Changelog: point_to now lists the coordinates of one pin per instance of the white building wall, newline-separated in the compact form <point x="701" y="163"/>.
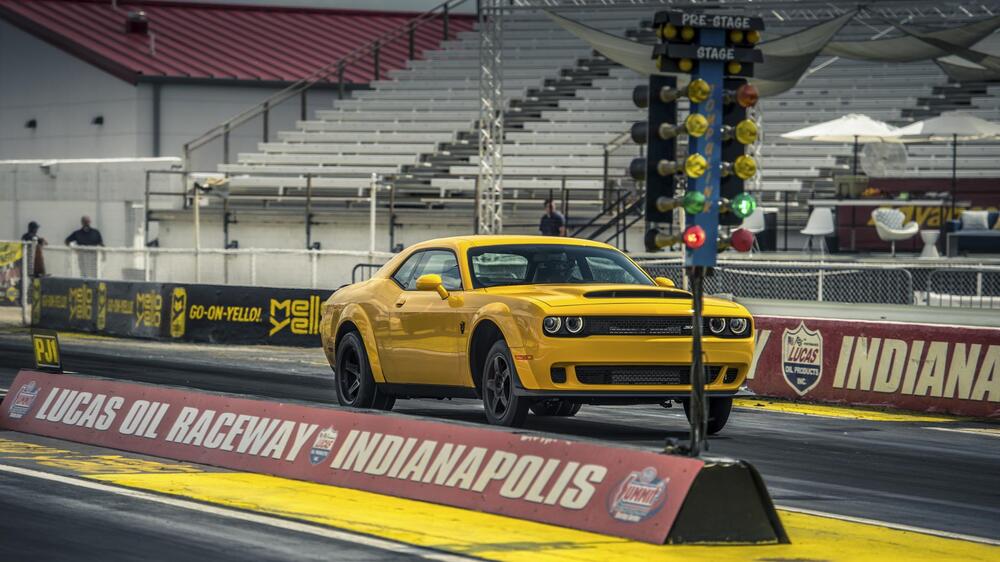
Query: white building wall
<point x="63" y="94"/>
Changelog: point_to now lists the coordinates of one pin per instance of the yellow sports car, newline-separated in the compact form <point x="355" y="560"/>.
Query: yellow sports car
<point x="527" y="322"/>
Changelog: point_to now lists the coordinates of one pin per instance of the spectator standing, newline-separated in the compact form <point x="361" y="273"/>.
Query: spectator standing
<point x="553" y="222"/>
<point x="36" y="267"/>
<point x="86" y="236"/>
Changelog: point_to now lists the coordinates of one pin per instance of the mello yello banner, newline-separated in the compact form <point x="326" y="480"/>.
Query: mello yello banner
<point x="622" y="492"/>
<point x="924" y="367"/>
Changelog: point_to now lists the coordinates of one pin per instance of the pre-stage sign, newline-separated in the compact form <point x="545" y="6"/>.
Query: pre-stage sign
<point x="616" y="491"/>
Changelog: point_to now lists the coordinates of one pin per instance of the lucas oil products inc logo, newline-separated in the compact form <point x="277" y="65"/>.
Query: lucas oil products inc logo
<point x="23" y="400"/>
<point x="178" y="311"/>
<point x="802" y="358"/>
<point x="323" y="445"/>
<point x="639" y="496"/>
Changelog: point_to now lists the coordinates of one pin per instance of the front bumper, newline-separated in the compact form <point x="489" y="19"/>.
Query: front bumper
<point x="536" y="359"/>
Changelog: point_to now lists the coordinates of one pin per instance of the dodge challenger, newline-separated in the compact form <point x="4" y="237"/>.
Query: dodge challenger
<point x="523" y="323"/>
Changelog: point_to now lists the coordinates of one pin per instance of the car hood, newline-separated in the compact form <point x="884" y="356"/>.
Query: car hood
<point x="630" y="298"/>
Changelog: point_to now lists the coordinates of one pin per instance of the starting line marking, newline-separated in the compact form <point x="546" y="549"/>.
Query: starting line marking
<point x="987" y="431"/>
<point x="243" y="516"/>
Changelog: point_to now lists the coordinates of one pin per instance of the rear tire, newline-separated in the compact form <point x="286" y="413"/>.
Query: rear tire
<point x="555" y="407"/>
<point x="356" y="387"/>
<point x="502" y="405"/>
<point x="718" y="413"/>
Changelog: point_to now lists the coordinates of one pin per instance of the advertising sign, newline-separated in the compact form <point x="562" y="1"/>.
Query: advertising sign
<point x="11" y="273"/>
<point x="616" y="491"/>
<point x="924" y="367"/>
<point x="205" y="313"/>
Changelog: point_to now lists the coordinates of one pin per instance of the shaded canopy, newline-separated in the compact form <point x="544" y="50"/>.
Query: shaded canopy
<point x="910" y="47"/>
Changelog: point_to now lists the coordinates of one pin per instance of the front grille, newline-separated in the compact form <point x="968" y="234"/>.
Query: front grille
<point x="638" y="325"/>
<point x="641" y="374"/>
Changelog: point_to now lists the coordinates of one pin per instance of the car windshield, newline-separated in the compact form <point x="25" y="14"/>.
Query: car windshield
<point x="534" y="264"/>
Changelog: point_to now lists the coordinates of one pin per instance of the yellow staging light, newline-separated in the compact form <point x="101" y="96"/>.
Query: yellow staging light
<point x="753" y="37"/>
<point x="687" y="33"/>
<point x="696" y="124"/>
<point x="698" y="90"/>
<point x="746" y="131"/>
<point x="695" y="166"/>
<point x="733" y="67"/>
<point x="745" y="167"/>
<point x="668" y="31"/>
<point x="685" y="65"/>
<point x="736" y="36"/>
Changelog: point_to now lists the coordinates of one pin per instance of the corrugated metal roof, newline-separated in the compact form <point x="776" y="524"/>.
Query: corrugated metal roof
<point x="231" y="42"/>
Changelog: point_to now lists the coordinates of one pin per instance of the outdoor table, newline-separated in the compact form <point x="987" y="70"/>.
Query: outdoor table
<point x="852" y="204"/>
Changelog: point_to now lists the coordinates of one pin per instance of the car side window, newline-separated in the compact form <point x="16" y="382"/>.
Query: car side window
<point x="404" y="275"/>
<point x="443" y="263"/>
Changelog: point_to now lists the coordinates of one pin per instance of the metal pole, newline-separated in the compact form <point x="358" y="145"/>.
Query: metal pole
<point x="409" y="41"/>
<point x="340" y="80"/>
<point x="371" y="217"/>
<point x="954" y="173"/>
<point x="309" y="190"/>
<point x="225" y="144"/>
<point x="698" y="405"/>
<point x="197" y="233"/>
<point x="26" y="279"/>
<point x="303" y="103"/>
<point x="445" y="17"/>
<point x="786" y="220"/>
<point x="375" y="55"/>
<point x="392" y="216"/>
<point x="145" y="212"/>
<point x="265" y="119"/>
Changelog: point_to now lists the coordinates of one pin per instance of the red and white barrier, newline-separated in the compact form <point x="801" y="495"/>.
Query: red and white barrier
<point x="924" y="367"/>
<point x="615" y="491"/>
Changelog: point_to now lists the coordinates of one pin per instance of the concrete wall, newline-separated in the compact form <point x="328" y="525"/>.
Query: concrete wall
<point x="56" y="193"/>
<point x="64" y="94"/>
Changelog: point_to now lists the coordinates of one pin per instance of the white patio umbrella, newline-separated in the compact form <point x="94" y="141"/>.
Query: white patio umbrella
<point x="952" y="126"/>
<point x="853" y="127"/>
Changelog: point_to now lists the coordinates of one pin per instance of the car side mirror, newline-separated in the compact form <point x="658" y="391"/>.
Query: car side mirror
<point x="432" y="282"/>
<point x="664" y="282"/>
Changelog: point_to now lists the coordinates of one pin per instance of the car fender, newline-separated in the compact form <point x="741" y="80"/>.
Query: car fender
<point x="355" y="314"/>
<point x="501" y="315"/>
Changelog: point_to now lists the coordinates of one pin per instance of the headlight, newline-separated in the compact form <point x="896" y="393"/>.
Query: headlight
<point x="739" y="326"/>
<point x="574" y="324"/>
<point x="717" y="325"/>
<point x="551" y="324"/>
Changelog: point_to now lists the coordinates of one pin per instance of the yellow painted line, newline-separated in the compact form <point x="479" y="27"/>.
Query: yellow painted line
<point x="494" y="537"/>
<point x="847" y="412"/>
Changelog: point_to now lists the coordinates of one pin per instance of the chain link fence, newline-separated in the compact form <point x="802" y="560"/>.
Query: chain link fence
<point x="913" y="284"/>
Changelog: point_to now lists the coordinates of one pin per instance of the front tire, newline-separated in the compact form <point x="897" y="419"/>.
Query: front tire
<point x="555" y="407"/>
<point x="718" y="413"/>
<point x="502" y="405"/>
<point x="356" y="387"/>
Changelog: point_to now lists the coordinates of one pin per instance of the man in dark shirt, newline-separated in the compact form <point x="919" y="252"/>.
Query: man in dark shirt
<point x="37" y="262"/>
<point x="553" y="222"/>
<point x="85" y="236"/>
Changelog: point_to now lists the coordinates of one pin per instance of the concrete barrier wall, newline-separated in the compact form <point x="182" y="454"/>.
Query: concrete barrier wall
<point x="923" y="367"/>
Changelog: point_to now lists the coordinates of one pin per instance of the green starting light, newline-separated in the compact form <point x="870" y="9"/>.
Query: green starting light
<point x="743" y="205"/>
<point x="694" y="202"/>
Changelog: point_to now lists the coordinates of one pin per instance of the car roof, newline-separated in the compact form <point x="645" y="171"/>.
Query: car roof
<point x="464" y="242"/>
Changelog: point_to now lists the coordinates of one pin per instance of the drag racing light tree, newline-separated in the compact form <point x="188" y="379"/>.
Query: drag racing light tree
<point x="717" y="50"/>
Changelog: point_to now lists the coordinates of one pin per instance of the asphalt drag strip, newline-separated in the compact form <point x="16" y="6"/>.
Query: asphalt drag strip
<point x="121" y="506"/>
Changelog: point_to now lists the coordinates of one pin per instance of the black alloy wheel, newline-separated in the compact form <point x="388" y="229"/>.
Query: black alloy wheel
<point x="355" y="385"/>
<point x="503" y="406"/>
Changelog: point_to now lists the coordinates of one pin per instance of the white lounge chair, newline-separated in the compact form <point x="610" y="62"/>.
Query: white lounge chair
<point x="890" y="228"/>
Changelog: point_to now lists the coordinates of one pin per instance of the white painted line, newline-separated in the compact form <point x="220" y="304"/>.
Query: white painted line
<point x="987" y="431"/>
<point x="275" y="522"/>
<point x="897" y="526"/>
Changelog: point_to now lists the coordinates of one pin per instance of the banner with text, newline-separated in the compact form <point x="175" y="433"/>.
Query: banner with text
<point x="924" y="367"/>
<point x="616" y="491"/>
<point x="204" y="313"/>
<point x="12" y="273"/>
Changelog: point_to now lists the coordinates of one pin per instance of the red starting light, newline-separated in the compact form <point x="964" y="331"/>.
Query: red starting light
<point x="747" y="95"/>
<point x="741" y="240"/>
<point x="694" y="237"/>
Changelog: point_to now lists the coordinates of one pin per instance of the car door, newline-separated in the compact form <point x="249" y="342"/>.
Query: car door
<point x="425" y="330"/>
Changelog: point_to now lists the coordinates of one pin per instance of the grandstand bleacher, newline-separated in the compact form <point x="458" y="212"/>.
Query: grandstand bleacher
<point x="565" y="103"/>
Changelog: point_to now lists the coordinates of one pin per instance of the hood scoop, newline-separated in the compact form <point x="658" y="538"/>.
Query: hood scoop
<point x="637" y="294"/>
